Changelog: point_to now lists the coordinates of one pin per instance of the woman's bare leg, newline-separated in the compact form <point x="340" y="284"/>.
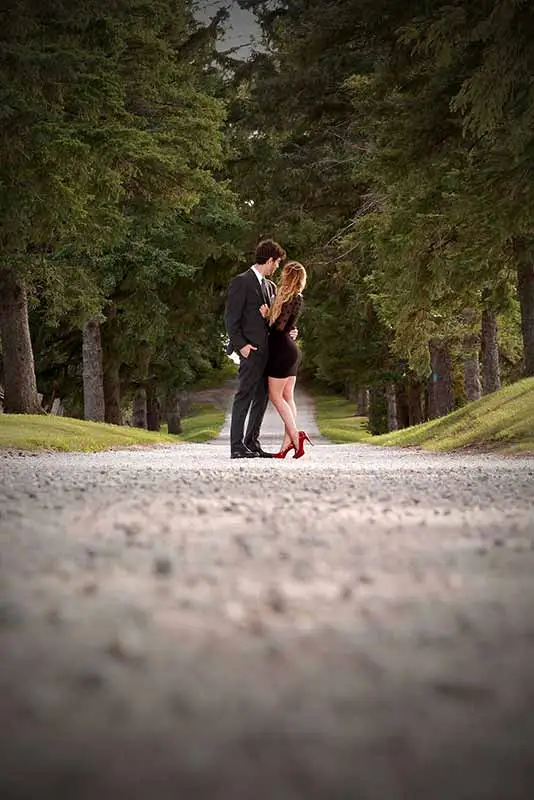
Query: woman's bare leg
<point x="288" y="395"/>
<point x="276" y="395"/>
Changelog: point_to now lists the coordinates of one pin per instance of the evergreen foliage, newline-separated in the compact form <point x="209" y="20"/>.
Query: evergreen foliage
<point x="387" y="144"/>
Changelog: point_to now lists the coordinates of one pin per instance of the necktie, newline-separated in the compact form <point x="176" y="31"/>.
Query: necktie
<point x="265" y="291"/>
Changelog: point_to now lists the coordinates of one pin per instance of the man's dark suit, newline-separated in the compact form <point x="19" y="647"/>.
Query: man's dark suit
<point x="245" y="325"/>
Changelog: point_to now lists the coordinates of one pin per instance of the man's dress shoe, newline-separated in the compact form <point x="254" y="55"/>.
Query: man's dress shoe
<point x="243" y="452"/>
<point x="261" y="453"/>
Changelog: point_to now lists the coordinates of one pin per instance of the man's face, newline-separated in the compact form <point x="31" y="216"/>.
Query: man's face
<point x="272" y="265"/>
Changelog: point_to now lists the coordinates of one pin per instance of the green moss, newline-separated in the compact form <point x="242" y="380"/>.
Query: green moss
<point x="501" y="422"/>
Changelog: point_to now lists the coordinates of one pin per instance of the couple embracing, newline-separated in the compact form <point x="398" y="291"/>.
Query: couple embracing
<point x="260" y="320"/>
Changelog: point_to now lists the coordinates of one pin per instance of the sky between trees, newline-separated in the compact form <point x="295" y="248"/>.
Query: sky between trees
<point x="241" y="26"/>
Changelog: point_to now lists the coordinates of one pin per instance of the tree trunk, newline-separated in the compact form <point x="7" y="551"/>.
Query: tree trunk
<point x="173" y="412"/>
<point x="491" y="371"/>
<point x="415" y="410"/>
<point x="93" y="374"/>
<point x="470" y="347"/>
<point x="152" y="408"/>
<point x="20" y="390"/>
<point x="473" y="389"/>
<point x="378" y="411"/>
<point x="363" y="403"/>
<point x="112" y="393"/>
<point x="139" y="413"/>
<point x="391" y="399"/>
<point x="525" y="290"/>
<point x="427" y="401"/>
<point x="350" y="392"/>
<point x="441" y="398"/>
<point x="403" y="411"/>
<point x="112" y="364"/>
<point x="186" y="404"/>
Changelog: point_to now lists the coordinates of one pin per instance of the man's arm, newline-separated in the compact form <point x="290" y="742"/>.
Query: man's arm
<point x="233" y="314"/>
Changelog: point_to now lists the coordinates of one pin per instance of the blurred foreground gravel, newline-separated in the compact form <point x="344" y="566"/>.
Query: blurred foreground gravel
<point x="358" y="624"/>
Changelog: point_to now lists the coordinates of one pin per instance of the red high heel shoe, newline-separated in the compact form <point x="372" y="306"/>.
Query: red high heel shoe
<point x="283" y="453"/>
<point x="303" y="437"/>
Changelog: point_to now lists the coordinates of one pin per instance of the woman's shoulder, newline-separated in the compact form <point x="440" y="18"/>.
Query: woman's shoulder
<point x="296" y="298"/>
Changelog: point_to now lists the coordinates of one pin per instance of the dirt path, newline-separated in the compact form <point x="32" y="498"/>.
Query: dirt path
<point x="356" y="625"/>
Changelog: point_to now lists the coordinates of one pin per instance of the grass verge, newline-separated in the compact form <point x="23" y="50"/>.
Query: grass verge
<point x="501" y="422"/>
<point x="336" y="421"/>
<point x="203" y="424"/>
<point x="63" y="434"/>
<point x="39" y="432"/>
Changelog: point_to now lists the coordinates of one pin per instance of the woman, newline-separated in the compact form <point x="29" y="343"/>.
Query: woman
<point x="284" y="355"/>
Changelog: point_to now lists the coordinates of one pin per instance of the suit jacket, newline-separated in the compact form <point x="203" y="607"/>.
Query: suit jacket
<point x="244" y="323"/>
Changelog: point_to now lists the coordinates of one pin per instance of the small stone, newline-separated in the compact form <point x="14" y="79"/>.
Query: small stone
<point x="54" y="616"/>
<point x="235" y="611"/>
<point x="345" y="593"/>
<point x="276" y="600"/>
<point x="243" y="545"/>
<point x="162" y="566"/>
<point x="126" y="646"/>
<point x="90" y="678"/>
<point x="256" y="625"/>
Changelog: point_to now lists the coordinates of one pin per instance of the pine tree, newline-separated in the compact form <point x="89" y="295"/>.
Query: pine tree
<point x="107" y="125"/>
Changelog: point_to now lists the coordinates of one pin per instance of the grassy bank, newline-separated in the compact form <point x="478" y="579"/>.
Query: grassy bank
<point x="203" y="424"/>
<point x="501" y="422"/>
<point x="335" y="419"/>
<point x="34" y="432"/>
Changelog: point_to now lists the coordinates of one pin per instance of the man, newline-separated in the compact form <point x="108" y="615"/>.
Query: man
<point x="248" y="332"/>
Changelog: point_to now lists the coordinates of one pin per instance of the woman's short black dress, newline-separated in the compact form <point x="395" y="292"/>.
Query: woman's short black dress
<point x="284" y="355"/>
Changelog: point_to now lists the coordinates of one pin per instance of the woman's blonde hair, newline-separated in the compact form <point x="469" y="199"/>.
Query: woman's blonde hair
<point x="292" y="282"/>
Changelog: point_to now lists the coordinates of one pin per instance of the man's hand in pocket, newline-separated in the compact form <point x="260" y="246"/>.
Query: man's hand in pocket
<point x="245" y="351"/>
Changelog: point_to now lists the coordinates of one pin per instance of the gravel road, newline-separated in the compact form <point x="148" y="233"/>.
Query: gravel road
<point x="356" y="625"/>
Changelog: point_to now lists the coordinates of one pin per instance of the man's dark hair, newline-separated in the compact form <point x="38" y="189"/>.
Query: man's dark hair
<point x="267" y="249"/>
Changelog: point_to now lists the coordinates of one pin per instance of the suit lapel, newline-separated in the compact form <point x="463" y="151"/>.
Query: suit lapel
<point x="258" y="288"/>
<point x="270" y="291"/>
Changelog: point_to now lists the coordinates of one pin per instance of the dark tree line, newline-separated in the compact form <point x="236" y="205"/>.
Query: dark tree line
<point x="117" y="225"/>
<point x="387" y="144"/>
